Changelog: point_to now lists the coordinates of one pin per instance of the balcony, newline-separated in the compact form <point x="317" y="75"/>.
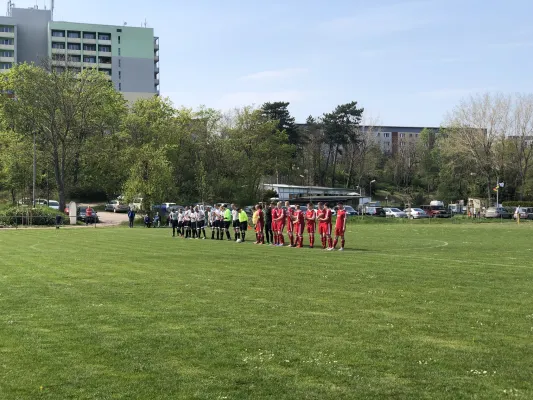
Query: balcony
<point x="7" y="35"/>
<point x="7" y="59"/>
<point x="156" y="81"/>
<point x="156" y="70"/>
<point x="89" y="53"/>
<point x="89" y="41"/>
<point x="104" y="42"/>
<point x="104" y="65"/>
<point x="73" y="40"/>
<point x="58" y="51"/>
<point x="73" y="52"/>
<point x="156" y="58"/>
<point x="3" y="71"/>
<point x="7" y="47"/>
<point x="156" y="46"/>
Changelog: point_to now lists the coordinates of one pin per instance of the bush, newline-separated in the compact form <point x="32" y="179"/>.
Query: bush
<point x="42" y="216"/>
<point x="517" y="203"/>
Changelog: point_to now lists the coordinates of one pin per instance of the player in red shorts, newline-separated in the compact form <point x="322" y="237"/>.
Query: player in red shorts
<point x="324" y="227"/>
<point x="274" y="212"/>
<point x="289" y="213"/>
<point x="278" y="223"/>
<point x="310" y="219"/>
<point x="340" y="226"/>
<point x="259" y="226"/>
<point x="299" y="224"/>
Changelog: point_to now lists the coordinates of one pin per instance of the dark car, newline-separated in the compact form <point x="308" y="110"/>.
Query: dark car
<point x="436" y="211"/>
<point x="349" y="210"/>
<point x="82" y="216"/>
<point x="375" y="211"/>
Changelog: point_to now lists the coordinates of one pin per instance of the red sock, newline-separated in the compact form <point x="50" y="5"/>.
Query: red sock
<point x="323" y="242"/>
<point x="342" y="243"/>
<point x="330" y="242"/>
<point x="335" y="243"/>
<point x="275" y="238"/>
<point x="291" y="236"/>
<point x="311" y="240"/>
<point x="281" y="239"/>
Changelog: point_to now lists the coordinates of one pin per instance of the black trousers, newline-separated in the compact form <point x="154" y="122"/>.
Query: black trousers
<point x="269" y="235"/>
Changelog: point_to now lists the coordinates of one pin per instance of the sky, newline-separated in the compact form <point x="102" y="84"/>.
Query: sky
<point x="407" y="63"/>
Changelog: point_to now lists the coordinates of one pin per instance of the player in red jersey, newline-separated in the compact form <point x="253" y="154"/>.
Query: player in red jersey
<point x="310" y="219"/>
<point x="299" y="224"/>
<point x="324" y="226"/>
<point x="260" y="224"/>
<point x="340" y="226"/>
<point x="289" y="213"/>
<point x="278" y="221"/>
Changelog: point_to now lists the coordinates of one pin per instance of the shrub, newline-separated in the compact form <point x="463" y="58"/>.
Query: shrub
<point x="30" y="216"/>
<point x="517" y="203"/>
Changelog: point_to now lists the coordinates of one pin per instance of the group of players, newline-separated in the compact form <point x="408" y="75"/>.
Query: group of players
<point x="269" y="221"/>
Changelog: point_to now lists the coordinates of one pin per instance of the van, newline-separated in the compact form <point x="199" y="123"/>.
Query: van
<point x="436" y="211"/>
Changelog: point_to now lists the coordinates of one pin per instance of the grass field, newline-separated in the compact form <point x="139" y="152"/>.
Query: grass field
<point x="409" y="311"/>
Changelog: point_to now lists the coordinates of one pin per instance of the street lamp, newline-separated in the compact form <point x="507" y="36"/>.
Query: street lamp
<point x="370" y="193"/>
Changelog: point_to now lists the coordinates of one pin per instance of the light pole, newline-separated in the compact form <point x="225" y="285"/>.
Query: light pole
<point x="34" y="169"/>
<point x="370" y="193"/>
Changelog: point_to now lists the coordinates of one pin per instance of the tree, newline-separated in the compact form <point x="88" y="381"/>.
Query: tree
<point x="472" y="131"/>
<point x="340" y="128"/>
<point x="62" y="110"/>
<point x="278" y="111"/>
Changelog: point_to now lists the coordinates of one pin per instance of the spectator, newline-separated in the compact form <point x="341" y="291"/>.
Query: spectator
<point x="147" y="221"/>
<point x="131" y="217"/>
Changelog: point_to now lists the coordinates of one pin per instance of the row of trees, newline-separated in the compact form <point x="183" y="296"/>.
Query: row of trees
<point x="90" y="143"/>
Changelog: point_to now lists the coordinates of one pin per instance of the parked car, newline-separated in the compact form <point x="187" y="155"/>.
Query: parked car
<point x="436" y="211"/>
<point x="48" y="203"/>
<point x="416" y="213"/>
<point x="136" y="204"/>
<point x="395" y="212"/>
<point x="82" y="215"/>
<point x="117" y="206"/>
<point x="523" y="211"/>
<point x="376" y="211"/>
<point x="497" y="212"/>
<point x="349" y="210"/>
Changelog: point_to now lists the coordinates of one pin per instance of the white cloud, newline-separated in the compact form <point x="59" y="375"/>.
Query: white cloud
<point x="274" y="74"/>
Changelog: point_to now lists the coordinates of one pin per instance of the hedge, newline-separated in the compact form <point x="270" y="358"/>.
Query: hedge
<point x="517" y="203"/>
<point x="46" y="216"/>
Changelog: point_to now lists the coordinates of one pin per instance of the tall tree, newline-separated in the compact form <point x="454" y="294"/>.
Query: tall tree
<point x="61" y="109"/>
<point x="279" y="111"/>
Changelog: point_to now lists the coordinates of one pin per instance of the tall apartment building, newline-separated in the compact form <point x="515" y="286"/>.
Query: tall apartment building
<point x="128" y="55"/>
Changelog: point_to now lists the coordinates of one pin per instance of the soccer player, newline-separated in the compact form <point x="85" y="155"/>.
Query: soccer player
<point x="201" y="222"/>
<point x="310" y="217"/>
<point x="227" y="222"/>
<point x="279" y="223"/>
<point x="220" y="217"/>
<point x="289" y="213"/>
<point x="181" y="230"/>
<point x="327" y="219"/>
<point x="174" y="219"/>
<point x="194" y="222"/>
<point x="214" y="223"/>
<point x="187" y="222"/>
<point x="260" y="224"/>
<point x="299" y="224"/>
<point x="340" y="226"/>
<point x="235" y="221"/>
<point x="324" y="225"/>
<point x="243" y="220"/>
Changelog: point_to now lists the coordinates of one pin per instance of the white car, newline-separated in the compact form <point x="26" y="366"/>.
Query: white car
<point x="136" y="204"/>
<point x="117" y="206"/>
<point x="49" y="203"/>
<point x="395" y="212"/>
<point x="416" y="213"/>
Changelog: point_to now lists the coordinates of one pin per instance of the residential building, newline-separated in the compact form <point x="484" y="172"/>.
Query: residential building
<point x="128" y="55"/>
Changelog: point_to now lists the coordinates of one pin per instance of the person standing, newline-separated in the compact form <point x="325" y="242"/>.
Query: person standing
<point x="220" y="217"/>
<point x="181" y="223"/>
<point x="322" y="224"/>
<point x="243" y="221"/>
<point x="235" y="221"/>
<point x="213" y="219"/>
<point x="279" y="222"/>
<point x="187" y="222"/>
<point x="131" y="217"/>
<point x="268" y="224"/>
<point x="88" y="215"/>
<point x="299" y="224"/>
<point x="326" y="226"/>
<point x="289" y="214"/>
<point x="227" y="222"/>
<point x="340" y="226"/>
<point x="201" y="222"/>
<point x="174" y="221"/>
<point x="194" y="223"/>
<point x="310" y="217"/>
<point x="259" y="225"/>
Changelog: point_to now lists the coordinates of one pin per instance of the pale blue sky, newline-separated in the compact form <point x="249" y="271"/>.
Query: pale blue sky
<point x="406" y="62"/>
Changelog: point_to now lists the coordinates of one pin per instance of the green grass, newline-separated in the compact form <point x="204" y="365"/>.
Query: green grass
<point x="410" y="311"/>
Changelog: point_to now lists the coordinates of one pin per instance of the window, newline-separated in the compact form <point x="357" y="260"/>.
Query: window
<point x="6" y="29"/>
<point x="89" y="47"/>
<point x="8" y="42"/>
<point x="119" y="62"/>
<point x="410" y="135"/>
<point x="56" y="45"/>
<point x="58" y="57"/>
<point x="58" y="33"/>
<point x="386" y="134"/>
<point x="119" y="51"/>
<point x="402" y="135"/>
<point x="89" y="35"/>
<point x="73" y="46"/>
<point x="104" y="49"/>
<point x="73" y="35"/>
<point x="104" y="36"/>
<point x="75" y="59"/>
<point x="91" y="60"/>
<point x="6" y="54"/>
<point x="119" y="30"/>
<point x="377" y="134"/>
<point x="416" y="135"/>
<point x="119" y="86"/>
<point x="5" y="65"/>
<point x="119" y="75"/>
<point x="119" y="40"/>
